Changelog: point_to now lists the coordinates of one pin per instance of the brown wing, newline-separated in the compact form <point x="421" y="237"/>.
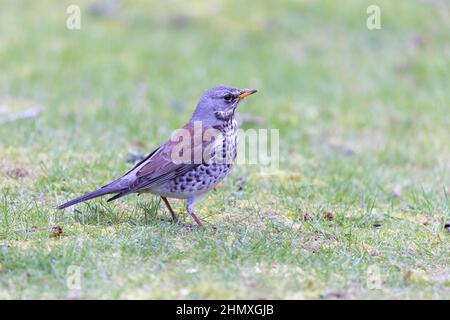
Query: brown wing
<point x="167" y="163"/>
<point x="160" y="169"/>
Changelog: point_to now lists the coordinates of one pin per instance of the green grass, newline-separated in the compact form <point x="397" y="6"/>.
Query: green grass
<point x="364" y="133"/>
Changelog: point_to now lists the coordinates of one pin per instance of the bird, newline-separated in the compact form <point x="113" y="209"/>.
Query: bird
<point x="192" y="162"/>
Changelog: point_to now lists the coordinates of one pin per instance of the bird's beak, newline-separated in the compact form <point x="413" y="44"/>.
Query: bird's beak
<point x="246" y="92"/>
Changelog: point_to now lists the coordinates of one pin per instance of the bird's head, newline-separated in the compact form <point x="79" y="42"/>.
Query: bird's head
<point x="219" y="104"/>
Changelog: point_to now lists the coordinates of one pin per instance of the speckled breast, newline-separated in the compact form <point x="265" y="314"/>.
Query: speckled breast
<point x="207" y="175"/>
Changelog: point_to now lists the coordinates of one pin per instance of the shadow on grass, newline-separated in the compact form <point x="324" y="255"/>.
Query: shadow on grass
<point x="100" y="214"/>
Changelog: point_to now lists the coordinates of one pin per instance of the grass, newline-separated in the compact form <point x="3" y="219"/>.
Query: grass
<point x="363" y="118"/>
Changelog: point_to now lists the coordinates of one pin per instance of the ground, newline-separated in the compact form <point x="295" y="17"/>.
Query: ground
<point x="356" y="208"/>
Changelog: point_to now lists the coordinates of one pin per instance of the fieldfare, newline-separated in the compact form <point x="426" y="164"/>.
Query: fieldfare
<point x="192" y="162"/>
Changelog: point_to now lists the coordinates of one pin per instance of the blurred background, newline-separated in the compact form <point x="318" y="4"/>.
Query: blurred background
<point x="363" y="114"/>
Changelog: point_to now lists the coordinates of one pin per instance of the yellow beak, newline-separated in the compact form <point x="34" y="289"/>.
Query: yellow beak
<point x="246" y="92"/>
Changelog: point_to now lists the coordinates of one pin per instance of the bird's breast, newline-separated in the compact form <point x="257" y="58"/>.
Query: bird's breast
<point x="228" y="147"/>
<point x="208" y="174"/>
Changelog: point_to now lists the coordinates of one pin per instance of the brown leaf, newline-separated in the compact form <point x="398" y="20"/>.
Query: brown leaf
<point x="57" y="230"/>
<point x="328" y="215"/>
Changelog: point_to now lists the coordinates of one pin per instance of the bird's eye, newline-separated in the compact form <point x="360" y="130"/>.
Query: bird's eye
<point x="228" y="97"/>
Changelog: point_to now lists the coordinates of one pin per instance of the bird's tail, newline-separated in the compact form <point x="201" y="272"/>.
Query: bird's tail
<point x="90" y="195"/>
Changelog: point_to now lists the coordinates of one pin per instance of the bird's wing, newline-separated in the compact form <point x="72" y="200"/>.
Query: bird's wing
<point x="166" y="163"/>
<point x="160" y="169"/>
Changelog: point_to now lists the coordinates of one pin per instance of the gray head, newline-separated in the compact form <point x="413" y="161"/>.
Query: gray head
<point x="219" y="104"/>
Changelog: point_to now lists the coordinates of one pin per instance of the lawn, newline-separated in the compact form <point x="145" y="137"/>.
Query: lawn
<point x="356" y="209"/>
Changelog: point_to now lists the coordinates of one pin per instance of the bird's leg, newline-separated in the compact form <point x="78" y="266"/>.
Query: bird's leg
<point x="190" y="207"/>
<point x="174" y="217"/>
